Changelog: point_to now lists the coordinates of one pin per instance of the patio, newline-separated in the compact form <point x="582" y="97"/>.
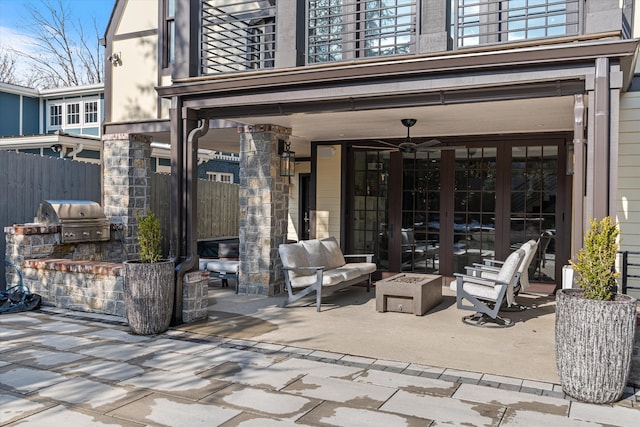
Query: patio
<point x="349" y="324"/>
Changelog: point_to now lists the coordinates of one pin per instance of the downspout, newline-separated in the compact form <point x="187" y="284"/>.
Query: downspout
<point x="189" y="209"/>
<point x="78" y="149"/>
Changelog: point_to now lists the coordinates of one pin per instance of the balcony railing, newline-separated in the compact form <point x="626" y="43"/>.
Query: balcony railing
<point x="482" y="22"/>
<point x="237" y="35"/>
<point x="342" y="30"/>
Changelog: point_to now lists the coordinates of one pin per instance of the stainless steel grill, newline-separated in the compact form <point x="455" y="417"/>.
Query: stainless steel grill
<point x="79" y="220"/>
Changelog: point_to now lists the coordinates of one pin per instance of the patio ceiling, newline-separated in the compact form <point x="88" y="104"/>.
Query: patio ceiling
<point x="484" y="118"/>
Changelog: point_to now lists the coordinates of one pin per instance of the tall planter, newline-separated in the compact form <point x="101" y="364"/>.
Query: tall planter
<point x="594" y="343"/>
<point x="148" y="296"/>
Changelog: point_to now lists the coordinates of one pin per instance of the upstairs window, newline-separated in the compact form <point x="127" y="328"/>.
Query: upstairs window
<point x="55" y="116"/>
<point x="479" y="22"/>
<point x="73" y="114"/>
<point x="237" y="35"/>
<point x="220" y="177"/>
<point x="91" y="112"/>
<point x="340" y="30"/>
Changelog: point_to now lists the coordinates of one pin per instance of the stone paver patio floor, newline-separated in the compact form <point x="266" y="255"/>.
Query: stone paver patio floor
<point x="64" y="368"/>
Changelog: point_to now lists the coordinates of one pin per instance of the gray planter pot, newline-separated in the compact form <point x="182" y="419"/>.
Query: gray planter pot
<point x="594" y="342"/>
<point x="148" y="296"/>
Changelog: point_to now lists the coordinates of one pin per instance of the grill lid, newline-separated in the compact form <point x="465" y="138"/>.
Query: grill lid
<point x="54" y="212"/>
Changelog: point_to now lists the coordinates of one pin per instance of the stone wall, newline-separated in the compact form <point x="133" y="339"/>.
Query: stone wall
<point x="92" y="286"/>
<point x="634" y="376"/>
<point x="264" y="203"/>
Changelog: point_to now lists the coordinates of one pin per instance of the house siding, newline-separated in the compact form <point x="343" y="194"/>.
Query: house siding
<point x="30" y="116"/>
<point x="628" y="196"/>
<point x="9" y="111"/>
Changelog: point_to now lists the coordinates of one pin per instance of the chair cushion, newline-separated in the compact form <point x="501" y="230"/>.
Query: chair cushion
<point x="295" y="255"/>
<point x="363" y="267"/>
<point x="315" y="253"/>
<point x="510" y="266"/>
<point x="333" y="253"/>
<point x="333" y="277"/>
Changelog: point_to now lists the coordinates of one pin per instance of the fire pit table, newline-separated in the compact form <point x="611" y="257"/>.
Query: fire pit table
<point x="409" y="293"/>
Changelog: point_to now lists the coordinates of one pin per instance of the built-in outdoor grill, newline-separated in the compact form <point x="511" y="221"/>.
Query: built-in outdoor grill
<point x="79" y="220"/>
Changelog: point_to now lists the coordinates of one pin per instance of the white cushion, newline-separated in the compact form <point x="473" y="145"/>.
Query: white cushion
<point x="315" y="253"/>
<point x="295" y="255"/>
<point x="223" y="266"/>
<point x="332" y="253"/>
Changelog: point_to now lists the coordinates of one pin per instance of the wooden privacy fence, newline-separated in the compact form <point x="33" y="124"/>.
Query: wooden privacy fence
<point x="27" y="179"/>
<point x="218" y="208"/>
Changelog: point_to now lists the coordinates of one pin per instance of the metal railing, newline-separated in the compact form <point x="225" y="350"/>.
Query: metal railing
<point x="629" y="271"/>
<point x="237" y="35"/>
<point x="482" y="22"/>
<point x="343" y="30"/>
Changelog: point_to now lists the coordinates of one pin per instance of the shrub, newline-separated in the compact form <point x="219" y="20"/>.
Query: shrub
<point x="149" y="237"/>
<point x="594" y="266"/>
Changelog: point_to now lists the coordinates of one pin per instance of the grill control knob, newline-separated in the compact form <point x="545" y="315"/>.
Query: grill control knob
<point x="86" y="233"/>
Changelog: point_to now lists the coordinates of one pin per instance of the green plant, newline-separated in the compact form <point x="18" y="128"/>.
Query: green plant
<point x="594" y="262"/>
<point x="149" y="237"/>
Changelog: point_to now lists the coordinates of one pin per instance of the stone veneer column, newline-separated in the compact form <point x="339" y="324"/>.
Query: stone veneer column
<point x="126" y="182"/>
<point x="264" y="205"/>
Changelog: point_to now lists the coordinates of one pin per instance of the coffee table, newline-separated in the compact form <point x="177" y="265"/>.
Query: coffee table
<point x="409" y="293"/>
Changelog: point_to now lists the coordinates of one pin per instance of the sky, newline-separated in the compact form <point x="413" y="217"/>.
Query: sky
<point x="14" y="18"/>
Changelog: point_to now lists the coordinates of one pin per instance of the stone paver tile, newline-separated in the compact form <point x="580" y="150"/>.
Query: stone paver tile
<point x="176" y="362"/>
<point x="538" y="384"/>
<point x="326" y="355"/>
<point x="120" y="352"/>
<point x="6" y="334"/>
<point x="318" y="369"/>
<point x="180" y="346"/>
<point x="219" y="355"/>
<point x="66" y="326"/>
<point x="26" y="380"/>
<point x="14" y="407"/>
<point x="462" y="374"/>
<point x="183" y="384"/>
<point x="524" y="418"/>
<point x="241" y="343"/>
<point x="391" y="364"/>
<point x="90" y="394"/>
<point x="263" y="402"/>
<point x="336" y="414"/>
<point x="60" y="341"/>
<point x="264" y="378"/>
<point x="18" y="320"/>
<point x="358" y="359"/>
<point x="107" y="370"/>
<point x="338" y="390"/>
<point x="164" y="410"/>
<point x="501" y="379"/>
<point x="268" y="347"/>
<point x="252" y="420"/>
<point x="41" y="358"/>
<point x="297" y="350"/>
<point x="443" y="409"/>
<point x="408" y="383"/>
<point x="64" y="416"/>
<point x="117" y="335"/>
<point x="426" y="369"/>
<point x="513" y="399"/>
<point x="613" y="415"/>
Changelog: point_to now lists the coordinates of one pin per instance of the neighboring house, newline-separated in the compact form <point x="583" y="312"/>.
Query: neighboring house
<point x="66" y="123"/>
<point x="526" y="110"/>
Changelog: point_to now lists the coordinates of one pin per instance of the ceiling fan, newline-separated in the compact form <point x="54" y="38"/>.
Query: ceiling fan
<point x="408" y="146"/>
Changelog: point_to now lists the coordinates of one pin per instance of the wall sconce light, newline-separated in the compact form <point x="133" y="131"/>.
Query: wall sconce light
<point x="570" y="158"/>
<point x="287" y="159"/>
<point x="115" y="58"/>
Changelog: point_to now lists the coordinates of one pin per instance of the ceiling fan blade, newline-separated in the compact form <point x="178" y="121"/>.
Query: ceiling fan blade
<point x="385" y="143"/>
<point x="429" y="143"/>
<point x="370" y="147"/>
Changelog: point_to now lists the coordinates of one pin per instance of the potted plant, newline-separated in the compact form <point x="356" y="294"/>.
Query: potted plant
<point x="595" y="326"/>
<point x="148" y="282"/>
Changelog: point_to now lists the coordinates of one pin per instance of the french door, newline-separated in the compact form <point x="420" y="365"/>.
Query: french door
<point x="438" y="211"/>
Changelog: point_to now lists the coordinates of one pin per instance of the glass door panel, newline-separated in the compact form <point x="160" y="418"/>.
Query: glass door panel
<point x="534" y="186"/>
<point x="421" y="211"/>
<point x="474" y="210"/>
<point x="371" y="205"/>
